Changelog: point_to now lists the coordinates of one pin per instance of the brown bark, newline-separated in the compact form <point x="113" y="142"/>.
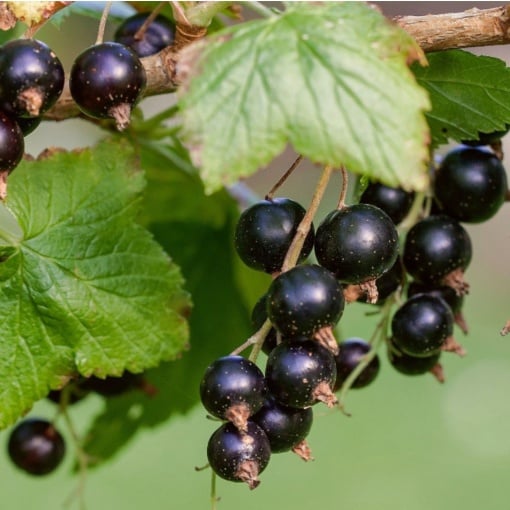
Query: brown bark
<point x="475" y="27"/>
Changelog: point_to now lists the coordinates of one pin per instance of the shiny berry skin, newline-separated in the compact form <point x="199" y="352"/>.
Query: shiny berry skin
<point x="357" y="243"/>
<point x="31" y="78"/>
<point x="106" y="80"/>
<point x="300" y="374"/>
<point x="36" y="446"/>
<point x="12" y="143"/>
<point x="232" y="384"/>
<point x="158" y="35"/>
<point x="304" y="300"/>
<point x="352" y="351"/>
<point x="28" y="124"/>
<point x="239" y="456"/>
<point x="411" y="365"/>
<point x="285" y="427"/>
<point x="435" y="247"/>
<point x="395" y="202"/>
<point x="470" y="185"/>
<point x="421" y="325"/>
<point x="444" y="292"/>
<point x="265" y="231"/>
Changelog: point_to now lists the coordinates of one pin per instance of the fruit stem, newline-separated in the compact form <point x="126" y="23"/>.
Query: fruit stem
<point x="378" y="337"/>
<point x="304" y="227"/>
<point x="343" y="191"/>
<point x="145" y="25"/>
<point x="102" y="22"/>
<point x="283" y="178"/>
<point x="415" y="214"/>
<point x="81" y="455"/>
<point x="257" y="339"/>
<point x="214" y="498"/>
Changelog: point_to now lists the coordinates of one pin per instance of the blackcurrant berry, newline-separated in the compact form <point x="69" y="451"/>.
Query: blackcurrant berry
<point x="422" y="325"/>
<point x="159" y="34"/>
<point x="265" y="231"/>
<point x="470" y="185"/>
<point x="437" y="250"/>
<point x="357" y="244"/>
<point x="36" y="446"/>
<point x="239" y="456"/>
<point x="233" y="389"/>
<point x="28" y="124"/>
<point x="12" y="144"/>
<point x="304" y="301"/>
<point x="453" y="299"/>
<point x="412" y="365"/>
<point x="395" y="202"/>
<point x="351" y="352"/>
<point x="285" y="427"/>
<point x="106" y="80"/>
<point x="31" y="78"/>
<point x="300" y="374"/>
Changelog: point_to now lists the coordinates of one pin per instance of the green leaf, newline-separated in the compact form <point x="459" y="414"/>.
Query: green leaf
<point x="85" y="289"/>
<point x="330" y="78"/>
<point x="469" y="94"/>
<point x="197" y="230"/>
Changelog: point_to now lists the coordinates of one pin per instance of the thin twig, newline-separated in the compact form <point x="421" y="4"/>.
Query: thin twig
<point x="284" y="177"/>
<point x="145" y="25"/>
<point x="343" y="190"/>
<point x="102" y="22"/>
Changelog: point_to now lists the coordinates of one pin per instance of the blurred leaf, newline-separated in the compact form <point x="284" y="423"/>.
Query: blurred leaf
<point x="83" y="289"/>
<point x="330" y="78"/>
<point x="469" y="94"/>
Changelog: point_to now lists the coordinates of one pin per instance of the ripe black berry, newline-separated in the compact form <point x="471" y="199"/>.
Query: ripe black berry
<point x="31" y="78"/>
<point x="239" y="456"/>
<point x="351" y="352"/>
<point x="470" y="185"/>
<point x="449" y="295"/>
<point x="395" y="202"/>
<point x="285" y="427"/>
<point x="233" y="388"/>
<point x="357" y="243"/>
<point x="437" y="250"/>
<point x="36" y="446"/>
<point x="422" y="325"/>
<point x="265" y="231"/>
<point x="304" y="301"/>
<point x="159" y="34"/>
<point x="106" y="80"/>
<point x="12" y="144"/>
<point x="28" y="124"/>
<point x="412" y="365"/>
<point x="300" y="374"/>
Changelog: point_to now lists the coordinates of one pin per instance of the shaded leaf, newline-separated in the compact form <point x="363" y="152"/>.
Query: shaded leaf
<point x="470" y="94"/>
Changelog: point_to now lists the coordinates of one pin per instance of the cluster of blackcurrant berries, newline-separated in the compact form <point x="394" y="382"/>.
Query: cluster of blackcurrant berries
<point x="105" y="81"/>
<point x="359" y="258"/>
<point x="37" y="447"/>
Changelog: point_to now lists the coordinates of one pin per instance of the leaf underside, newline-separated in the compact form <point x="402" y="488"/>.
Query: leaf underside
<point x="86" y="290"/>
<point x="331" y="79"/>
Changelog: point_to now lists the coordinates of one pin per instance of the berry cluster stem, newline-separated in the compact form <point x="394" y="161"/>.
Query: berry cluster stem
<point x="304" y="227"/>
<point x="343" y="191"/>
<point x="102" y="22"/>
<point x="379" y="336"/>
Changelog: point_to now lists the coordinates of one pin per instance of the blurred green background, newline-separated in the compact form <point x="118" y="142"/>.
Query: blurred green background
<point x="411" y="443"/>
